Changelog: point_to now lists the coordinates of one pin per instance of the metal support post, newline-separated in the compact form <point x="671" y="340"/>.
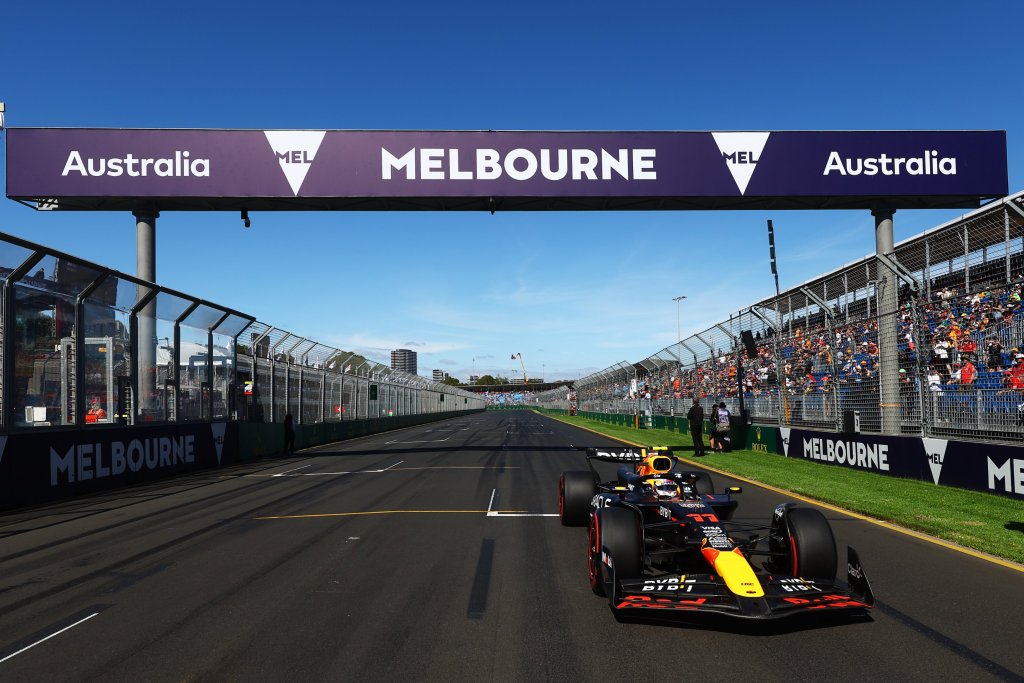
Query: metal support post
<point x="888" y="371"/>
<point x="145" y="269"/>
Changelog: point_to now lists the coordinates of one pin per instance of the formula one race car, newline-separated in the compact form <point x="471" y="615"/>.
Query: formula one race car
<point x="661" y="539"/>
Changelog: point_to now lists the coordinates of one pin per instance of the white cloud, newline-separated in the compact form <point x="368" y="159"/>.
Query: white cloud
<point x="367" y="342"/>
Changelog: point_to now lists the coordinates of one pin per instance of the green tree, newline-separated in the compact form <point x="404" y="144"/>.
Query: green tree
<point x="487" y="381"/>
<point x="451" y="381"/>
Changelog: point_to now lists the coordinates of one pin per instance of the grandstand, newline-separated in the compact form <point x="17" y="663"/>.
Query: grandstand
<point x="818" y="348"/>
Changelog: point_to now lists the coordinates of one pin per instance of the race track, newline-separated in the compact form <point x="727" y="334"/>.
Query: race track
<point x="377" y="559"/>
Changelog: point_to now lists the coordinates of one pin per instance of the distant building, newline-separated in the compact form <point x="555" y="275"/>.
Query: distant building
<point x="515" y="380"/>
<point x="440" y="375"/>
<point x="404" y="360"/>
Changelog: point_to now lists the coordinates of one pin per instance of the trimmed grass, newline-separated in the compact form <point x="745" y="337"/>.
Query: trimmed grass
<point x="980" y="521"/>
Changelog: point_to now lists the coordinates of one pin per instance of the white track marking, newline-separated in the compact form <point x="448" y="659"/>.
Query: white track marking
<point x="294" y="469"/>
<point x="388" y="443"/>
<point x="390" y="466"/>
<point x="27" y="647"/>
<point x="494" y="513"/>
<point x="522" y="514"/>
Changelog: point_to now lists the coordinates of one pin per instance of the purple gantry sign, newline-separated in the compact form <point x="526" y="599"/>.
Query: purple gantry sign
<point x="305" y="169"/>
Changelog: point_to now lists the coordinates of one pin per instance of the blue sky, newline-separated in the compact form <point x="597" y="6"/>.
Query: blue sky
<point x="573" y="292"/>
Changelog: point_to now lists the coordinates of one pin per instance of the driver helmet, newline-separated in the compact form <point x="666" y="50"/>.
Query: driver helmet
<point x="665" y="489"/>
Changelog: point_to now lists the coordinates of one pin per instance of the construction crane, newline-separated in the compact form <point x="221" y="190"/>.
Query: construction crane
<point x="520" y="357"/>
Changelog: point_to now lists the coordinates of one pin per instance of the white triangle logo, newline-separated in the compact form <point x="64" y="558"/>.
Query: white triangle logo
<point x="785" y="440"/>
<point x="295" y="151"/>
<point x="218" y="437"/>
<point x="741" y="152"/>
<point x="3" y="445"/>
<point x="935" y="451"/>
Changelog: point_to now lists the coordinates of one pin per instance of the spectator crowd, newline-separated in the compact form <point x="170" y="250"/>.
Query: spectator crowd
<point x="969" y="349"/>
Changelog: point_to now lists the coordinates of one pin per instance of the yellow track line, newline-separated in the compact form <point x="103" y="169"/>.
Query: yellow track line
<point x="856" y="515"/>
<point x="387" y="512"/>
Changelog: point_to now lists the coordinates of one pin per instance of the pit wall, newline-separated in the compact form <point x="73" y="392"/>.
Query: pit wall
<point x="972" y="465"/>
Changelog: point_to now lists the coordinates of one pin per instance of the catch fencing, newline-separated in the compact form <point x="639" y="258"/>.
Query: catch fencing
<point x="85" y="346"/>
<point x="286" y="373"/>
<point x="926" y="341"/>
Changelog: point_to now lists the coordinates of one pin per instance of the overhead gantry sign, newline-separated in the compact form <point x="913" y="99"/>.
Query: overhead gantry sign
<point x="118" y="169"/>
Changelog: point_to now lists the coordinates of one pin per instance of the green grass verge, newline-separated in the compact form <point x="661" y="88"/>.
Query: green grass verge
<point x="980" y="521"/>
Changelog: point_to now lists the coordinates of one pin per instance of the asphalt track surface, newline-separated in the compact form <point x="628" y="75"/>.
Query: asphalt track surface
<point x="376" y="559"/>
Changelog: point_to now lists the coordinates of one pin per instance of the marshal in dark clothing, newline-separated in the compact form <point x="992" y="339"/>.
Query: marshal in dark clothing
<point x="696" y="419"/>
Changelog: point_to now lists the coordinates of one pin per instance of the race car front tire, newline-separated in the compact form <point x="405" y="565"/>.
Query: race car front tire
<point x="575" y="492"/>
<point x="615" y="541"/>
<point x="812" y="546"/>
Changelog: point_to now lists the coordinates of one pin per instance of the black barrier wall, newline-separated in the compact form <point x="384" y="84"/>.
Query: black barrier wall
<point x="36" y="467"/>
<point x="992" y="468"/>
<point x="40" y="466"/>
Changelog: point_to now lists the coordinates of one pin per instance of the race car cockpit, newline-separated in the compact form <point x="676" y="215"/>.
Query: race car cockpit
<point x="663" y="489"/>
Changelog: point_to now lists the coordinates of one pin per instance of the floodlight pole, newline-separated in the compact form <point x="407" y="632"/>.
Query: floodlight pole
<point x="679" y="334"/>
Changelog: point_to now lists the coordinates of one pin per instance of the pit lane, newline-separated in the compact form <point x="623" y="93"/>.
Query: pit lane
<point x="390" y="557"/>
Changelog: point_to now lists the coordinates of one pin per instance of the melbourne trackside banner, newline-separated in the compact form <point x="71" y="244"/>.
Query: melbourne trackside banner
<point x="37" y="466"/>
<point x="986" y="467"/>
<point x="204" y="169"/>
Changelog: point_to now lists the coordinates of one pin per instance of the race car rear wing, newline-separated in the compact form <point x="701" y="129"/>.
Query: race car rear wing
<point x="615" y="455"/>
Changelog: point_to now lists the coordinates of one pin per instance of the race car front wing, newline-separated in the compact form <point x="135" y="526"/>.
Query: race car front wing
<point x="784" y="596"/>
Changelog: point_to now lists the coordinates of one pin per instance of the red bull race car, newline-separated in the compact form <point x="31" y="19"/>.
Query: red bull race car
<point x="661" y="539"/>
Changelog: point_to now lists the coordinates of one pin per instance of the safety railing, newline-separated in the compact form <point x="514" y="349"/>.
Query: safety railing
<point x="284" y="373"/>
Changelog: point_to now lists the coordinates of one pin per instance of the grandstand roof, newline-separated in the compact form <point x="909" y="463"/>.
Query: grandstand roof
<point x="987" y="228"/>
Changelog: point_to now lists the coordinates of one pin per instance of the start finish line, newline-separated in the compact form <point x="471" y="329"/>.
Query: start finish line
<point x="157" y="170"/>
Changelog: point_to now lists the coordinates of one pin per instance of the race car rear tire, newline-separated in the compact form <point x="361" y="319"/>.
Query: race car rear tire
<point x="616" y="537"/>
<point x="575" y="492"/>
<point x="812" y="546"/>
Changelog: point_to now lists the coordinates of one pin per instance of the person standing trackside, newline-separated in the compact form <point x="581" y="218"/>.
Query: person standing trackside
<point x="289" y="435"/>
<point x="696" y="419"/>
<point x="721" y="420"/>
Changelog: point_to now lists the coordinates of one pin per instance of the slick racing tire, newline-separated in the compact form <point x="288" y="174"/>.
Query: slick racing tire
<point x="812" y="547"/>
<point x="575" y="491"/>
<point x="615" y="541"/>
